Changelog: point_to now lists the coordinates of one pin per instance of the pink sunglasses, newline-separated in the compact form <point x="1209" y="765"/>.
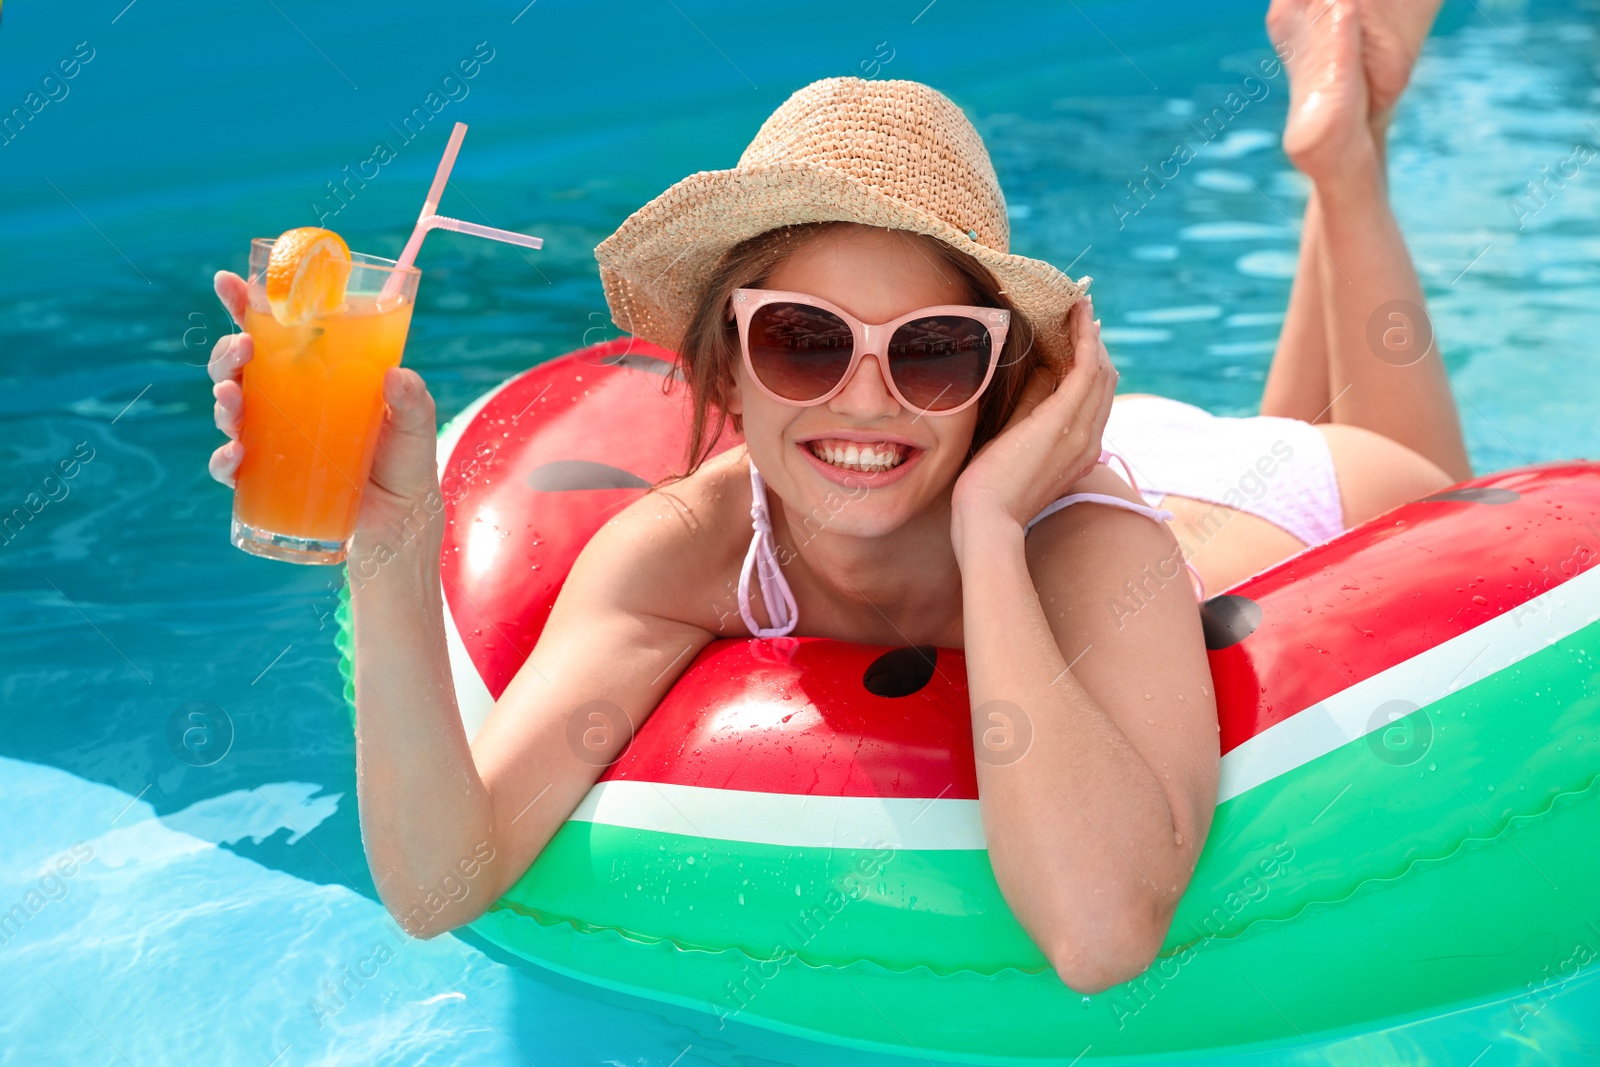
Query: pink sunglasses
<point x="801" y="350"/>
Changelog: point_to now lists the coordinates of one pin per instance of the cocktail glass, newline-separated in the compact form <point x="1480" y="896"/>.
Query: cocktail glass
<point x="313" y="397"/>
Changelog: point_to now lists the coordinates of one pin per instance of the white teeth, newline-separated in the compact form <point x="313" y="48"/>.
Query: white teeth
<point x="864" y="458"/>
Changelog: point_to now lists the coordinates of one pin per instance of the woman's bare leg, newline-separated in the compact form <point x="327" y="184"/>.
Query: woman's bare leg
<point x="1383" y="370"/>
<point x="1297" y="382"/>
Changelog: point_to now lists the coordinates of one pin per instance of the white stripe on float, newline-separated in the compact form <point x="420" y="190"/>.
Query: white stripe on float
<point x="786" y="819"/>
<point x="795" y="820"/>
<point x="1429" y="676"/>
<point x="472" y="696"/>
<point x="451" y="432"/>
<point x="473" y="699"/>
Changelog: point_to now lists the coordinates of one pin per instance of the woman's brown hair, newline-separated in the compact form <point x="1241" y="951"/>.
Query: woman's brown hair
<point x="709" y="352"/>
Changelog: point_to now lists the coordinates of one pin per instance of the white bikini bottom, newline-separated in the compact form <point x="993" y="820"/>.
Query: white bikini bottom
<point x="1275" y="468"/>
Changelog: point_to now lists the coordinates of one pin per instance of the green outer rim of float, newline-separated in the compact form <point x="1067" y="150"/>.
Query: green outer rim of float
<point x="1213" y="997"/>
<point x="1444" y="850"/>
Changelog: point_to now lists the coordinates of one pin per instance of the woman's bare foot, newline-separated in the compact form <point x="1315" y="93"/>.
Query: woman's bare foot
<point x="1392" y="32"/>
<point x="1327" y="132"/>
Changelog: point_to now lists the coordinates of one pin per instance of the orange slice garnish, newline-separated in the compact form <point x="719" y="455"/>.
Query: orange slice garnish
<point x="306" y="274"/>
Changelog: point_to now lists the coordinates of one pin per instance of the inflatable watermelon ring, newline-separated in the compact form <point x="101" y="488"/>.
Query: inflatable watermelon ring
<point x="1407" y="819"/>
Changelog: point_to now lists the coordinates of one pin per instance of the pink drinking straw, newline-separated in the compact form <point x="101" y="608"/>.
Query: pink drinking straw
<point x="431" y="220"/>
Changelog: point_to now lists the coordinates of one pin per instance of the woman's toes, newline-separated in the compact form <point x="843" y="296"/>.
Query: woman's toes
<point x="1392" y="32"/>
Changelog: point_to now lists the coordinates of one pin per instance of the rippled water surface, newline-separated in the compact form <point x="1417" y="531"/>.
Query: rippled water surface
<point x="219" y="903"/>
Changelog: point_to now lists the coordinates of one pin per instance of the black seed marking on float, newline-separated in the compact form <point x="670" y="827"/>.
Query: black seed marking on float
<point x="901" y="671"/>
<point x="1229" y="619"/>
<point x="1475" y="496"/>
<point x="567" y="475"/>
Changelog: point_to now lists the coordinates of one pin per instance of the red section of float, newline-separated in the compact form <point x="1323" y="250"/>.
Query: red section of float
<point x="567" y="444"/>
<point x="516" y="514"/>
<point x="1401" y="584"/>
<point x="795" y="715"/>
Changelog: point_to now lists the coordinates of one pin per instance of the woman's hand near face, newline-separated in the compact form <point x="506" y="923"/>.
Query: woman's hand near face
<point x="1051" y="441"/>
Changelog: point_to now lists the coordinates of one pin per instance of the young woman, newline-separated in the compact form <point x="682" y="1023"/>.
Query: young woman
<point x="846" y="297"/>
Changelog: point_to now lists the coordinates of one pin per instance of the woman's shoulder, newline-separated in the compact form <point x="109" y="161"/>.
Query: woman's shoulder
<point x="676" y="551"/>
<point x="1082" y="545"/>
<point x="1088" y="514"/>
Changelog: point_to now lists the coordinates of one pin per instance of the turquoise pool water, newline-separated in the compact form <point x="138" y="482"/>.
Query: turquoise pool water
<point x="219" y="908"/>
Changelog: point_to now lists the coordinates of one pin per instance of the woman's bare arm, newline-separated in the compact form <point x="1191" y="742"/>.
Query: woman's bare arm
<point x="449" y="826"/>
<point x="1093" y="830"/>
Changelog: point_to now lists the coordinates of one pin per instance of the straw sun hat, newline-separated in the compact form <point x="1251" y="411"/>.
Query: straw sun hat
<point x="896" y="154"/>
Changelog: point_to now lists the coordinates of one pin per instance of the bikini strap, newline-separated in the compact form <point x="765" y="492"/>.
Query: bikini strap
<point x="1158" y="514"/>
<point x="762" y="559"/>
<point x="779" y="598"/>
<point x="1107" y="454"/>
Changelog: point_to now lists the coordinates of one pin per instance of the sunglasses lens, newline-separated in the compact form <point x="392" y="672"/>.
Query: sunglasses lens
<point x="799" y="352"/>
<point x="939" y="362"/>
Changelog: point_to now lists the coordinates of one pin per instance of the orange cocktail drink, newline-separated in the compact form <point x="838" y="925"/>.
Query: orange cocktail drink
<point x="313" y="402"/>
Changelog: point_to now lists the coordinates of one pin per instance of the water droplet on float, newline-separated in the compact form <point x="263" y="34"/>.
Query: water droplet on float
<point x="1433" y="766"/>
<point x="1086" y="1002"/>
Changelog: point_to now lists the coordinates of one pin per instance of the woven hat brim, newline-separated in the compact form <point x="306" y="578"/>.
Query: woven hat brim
<point x="656" y="265"/>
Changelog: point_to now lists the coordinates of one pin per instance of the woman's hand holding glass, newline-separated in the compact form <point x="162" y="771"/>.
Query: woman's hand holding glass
<point x="404" y="476"/>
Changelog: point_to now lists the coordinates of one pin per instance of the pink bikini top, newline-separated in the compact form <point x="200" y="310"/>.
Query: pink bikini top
<point x="780" y="599"/>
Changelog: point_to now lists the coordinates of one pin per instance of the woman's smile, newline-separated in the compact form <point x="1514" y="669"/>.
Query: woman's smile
<point x="855" y="459"/>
